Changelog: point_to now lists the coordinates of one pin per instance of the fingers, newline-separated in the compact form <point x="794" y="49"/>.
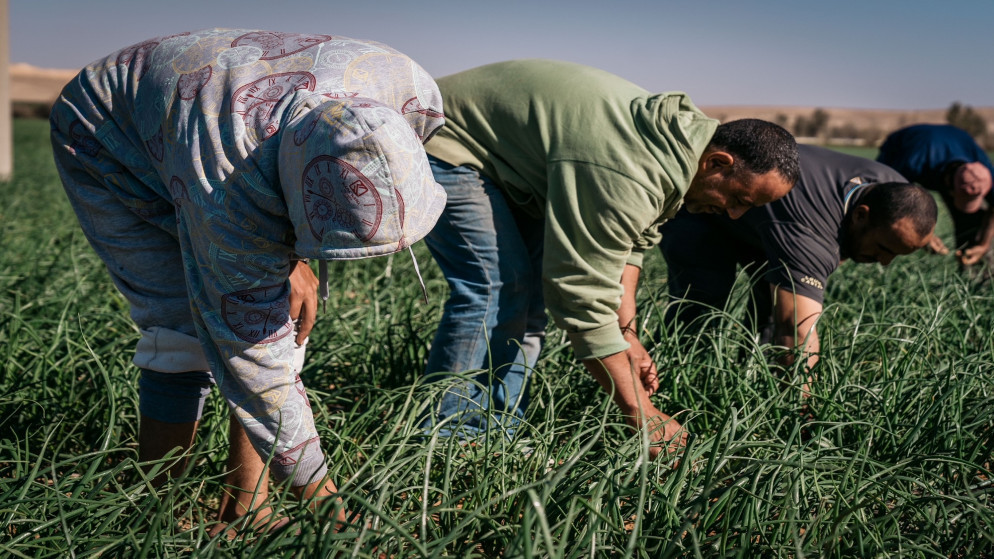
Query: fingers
<point x="667" y="430"/>
<point x="303" y="300"/>
<point x="642" y="362"/>
<point x="650" y="378"/>
<point x="936" y="246"/>
<point x="306" y="318"/>
<point x="969" y="257"/>
<point x="296" y="302"/>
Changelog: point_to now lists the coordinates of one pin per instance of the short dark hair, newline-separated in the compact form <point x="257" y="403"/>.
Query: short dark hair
<point x="889" y="202"/>
<point x="759" y="147"/>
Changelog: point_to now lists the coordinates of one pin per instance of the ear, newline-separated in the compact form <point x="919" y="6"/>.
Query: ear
<point x="718" y="161"/>
<point x="861" y="214"/>
<point x="715" y="162"/>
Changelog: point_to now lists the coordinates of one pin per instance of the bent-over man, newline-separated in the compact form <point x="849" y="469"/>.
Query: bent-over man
<point x="203" y="168"/>
<point x="557" y="177"/>
<point x="947" y="160"/>
<point x="843" y="207"/>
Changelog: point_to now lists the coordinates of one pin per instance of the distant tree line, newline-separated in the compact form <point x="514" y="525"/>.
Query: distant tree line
<point x="963" y="116"/>
<point x="22" y="109"/>
<point x="816" y="125"/>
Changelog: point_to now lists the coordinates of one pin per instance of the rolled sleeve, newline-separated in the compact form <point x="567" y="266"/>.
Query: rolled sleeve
<point x="799" y="260"/>
<point x="636" y="258"/>
<point x="599" y="342"/>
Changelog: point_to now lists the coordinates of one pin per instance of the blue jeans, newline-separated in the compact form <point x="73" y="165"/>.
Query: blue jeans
<point x="493" y="323"/>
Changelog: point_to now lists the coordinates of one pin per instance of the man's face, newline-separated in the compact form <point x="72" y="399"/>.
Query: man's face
<point x="867" y="244"/>
<point x="716" y="188"/>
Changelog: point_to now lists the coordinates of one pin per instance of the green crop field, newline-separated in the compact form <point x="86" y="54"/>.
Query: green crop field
<point x="891" y="457"/>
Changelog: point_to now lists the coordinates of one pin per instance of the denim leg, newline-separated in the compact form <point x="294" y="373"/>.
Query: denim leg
<point x="494" y="283"/>
<point x="509" y="387"/>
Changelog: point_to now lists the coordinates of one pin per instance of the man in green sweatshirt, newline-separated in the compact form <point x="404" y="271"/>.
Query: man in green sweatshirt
<point x="558" y="176"/>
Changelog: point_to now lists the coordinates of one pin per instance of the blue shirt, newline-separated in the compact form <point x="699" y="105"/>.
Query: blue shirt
<point x="924" y="152"/>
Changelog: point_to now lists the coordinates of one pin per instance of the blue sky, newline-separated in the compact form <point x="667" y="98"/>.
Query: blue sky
<point x="890" y="54"/>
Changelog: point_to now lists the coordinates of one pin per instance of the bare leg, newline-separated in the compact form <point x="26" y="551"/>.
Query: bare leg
<point x="247" y="481"/>
<point x="156" y="438"/>
<point x="319" y="491"/>
<point x="248" y="472"/>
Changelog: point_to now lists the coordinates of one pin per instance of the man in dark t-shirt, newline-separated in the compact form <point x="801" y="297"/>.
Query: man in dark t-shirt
<point x="842" y="207"/>
<point x="947" y="160"/>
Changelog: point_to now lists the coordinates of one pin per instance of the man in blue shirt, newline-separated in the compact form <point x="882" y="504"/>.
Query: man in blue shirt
<point x="947" y="160"/>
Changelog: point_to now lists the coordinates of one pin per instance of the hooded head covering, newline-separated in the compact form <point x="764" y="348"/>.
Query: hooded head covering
<point x="356" y="181"/>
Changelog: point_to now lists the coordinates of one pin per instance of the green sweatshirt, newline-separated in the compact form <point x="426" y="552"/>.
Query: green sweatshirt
<point x="602" y="160"/>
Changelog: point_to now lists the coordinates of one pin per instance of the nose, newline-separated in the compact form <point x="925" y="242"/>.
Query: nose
<point x="885" y="259"/>
<point x="736" y="212"/>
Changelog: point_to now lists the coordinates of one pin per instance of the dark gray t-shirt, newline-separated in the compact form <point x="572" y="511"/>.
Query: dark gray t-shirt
<point x="800" y="233"/>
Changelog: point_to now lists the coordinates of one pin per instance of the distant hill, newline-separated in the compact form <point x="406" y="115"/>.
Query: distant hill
<point x="33" y="90"/>
<point x="30" y="84"/>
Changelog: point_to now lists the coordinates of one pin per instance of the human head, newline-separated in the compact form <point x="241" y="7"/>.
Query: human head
<point x="356" y="181"/>
<point x="971" y="182"/>
<point x="890" y="219"/>
<point x="396" y="81"/>
<point x="748" y="163"/>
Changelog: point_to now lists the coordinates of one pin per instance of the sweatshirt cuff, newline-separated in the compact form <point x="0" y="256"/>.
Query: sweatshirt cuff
<point x="599" y="342"/>
<point x="635" y="258"/>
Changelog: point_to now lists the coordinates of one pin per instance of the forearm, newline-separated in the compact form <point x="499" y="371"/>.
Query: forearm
<point x="795" y="319"/>
<point x="806" y="345"/>
<point x="617" y="377"/>
<point x="627" y="311"/>
<point x="251" y="352"/>
<point x="270" y="401"/>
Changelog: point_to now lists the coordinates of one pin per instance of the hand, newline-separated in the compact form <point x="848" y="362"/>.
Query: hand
<point x="664" y="432"/>
<point x="303" y="299"/>
<point x="614" y="374"/>
<point x="936" y="246"/>
<point x="971" y="255"/>
<point x="641" y="362"/>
